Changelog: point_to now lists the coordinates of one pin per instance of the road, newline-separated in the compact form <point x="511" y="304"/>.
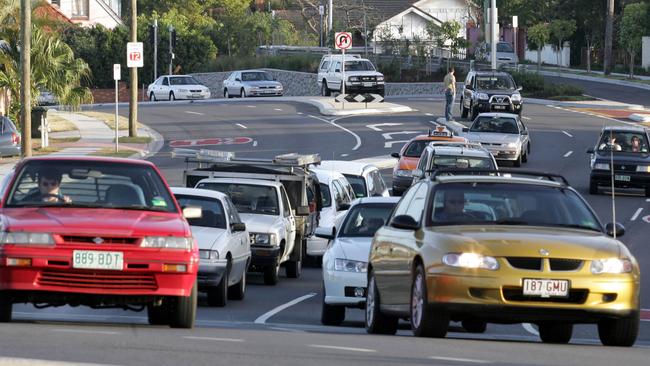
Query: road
<point x="259" y="330"/>
<point x="613" y="92"/>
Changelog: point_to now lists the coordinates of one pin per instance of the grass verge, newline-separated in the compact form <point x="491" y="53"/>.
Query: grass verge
<point x="109" y="151"/>
<point x="109" y="119"/>
<point x="59" y="123"/>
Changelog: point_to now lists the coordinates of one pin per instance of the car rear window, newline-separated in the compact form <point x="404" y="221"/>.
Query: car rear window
<point x="248" y="198"/>
<point x="212" y="212"/>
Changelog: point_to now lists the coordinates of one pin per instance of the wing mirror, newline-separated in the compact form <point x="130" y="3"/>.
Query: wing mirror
<point x="590" y="150"/>
<point x="237" y="227"/>
<point x="337" y="70"/>
<point x="469" y="87"/>
<point x="465" y="129"/>
<point x="325" y="233"/>
<point x="404" y="222"/>
<point x="520" y="88"/>
<point x="524" y="132"/>
<point x="343" y="207"/>
<point x="395" y="155"/>
<point x="302" y="211"/>
<point x="617" y="228"/>
<point x="192" y="212"/>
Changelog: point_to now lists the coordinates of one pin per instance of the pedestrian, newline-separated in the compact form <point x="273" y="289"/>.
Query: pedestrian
<point x="450" y="93"/>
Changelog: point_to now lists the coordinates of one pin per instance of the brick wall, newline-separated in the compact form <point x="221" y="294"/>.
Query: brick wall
<point x="108" y="95"/>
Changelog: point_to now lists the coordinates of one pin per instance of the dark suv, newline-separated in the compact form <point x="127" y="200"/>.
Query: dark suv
<point x="490" y="91"/>
<point x="628" y="147"/>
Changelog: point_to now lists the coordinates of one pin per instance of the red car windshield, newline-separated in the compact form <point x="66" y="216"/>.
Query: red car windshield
<point x="97" y="184"/>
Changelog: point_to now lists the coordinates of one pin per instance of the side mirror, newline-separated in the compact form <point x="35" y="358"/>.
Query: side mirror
<point x="520" y="88"/>
<point x="524" y="132"/>
<point x="192" y="212"/>
<point x="237" y="227"/>
<point x="237" y="79"/>
<point x="343" y="207"/>
<point x="325" y="233"/>
<point x="418" y="173"/>
<point x="404" y="222"/>
<point x="395" y="155"/>
<point x="617" y="228"/>
<point x="465" y="129"/>
<point x="469" y="87"/>
<point x="590" y="150"/>
<point x="302" y="211"/>
<point x="337" y="70"/>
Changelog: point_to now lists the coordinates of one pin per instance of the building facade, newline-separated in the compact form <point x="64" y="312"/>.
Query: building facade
<point x="91" y="12"/>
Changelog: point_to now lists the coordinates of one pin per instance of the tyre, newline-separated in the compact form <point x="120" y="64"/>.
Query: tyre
<point x="242" y="93"/>
<point x="152" y="97"/>
<point x="218" y="296"/>
<point x="172" y="97"/>
<point x="271" y="275"/>
<point x="559" y="333"/>
<point x="183" y="314"/>
<point x="426" y="320"/>
<point x="474" y="326"/>
<point x="517" y="163"/>
<point x="226" y="94"/>
<point x="524" y="158"/>
<point x="294" y="269"/>
<point x="158" y="315"/>
<point x="593" y="187"/>
<point x="6" y="310"/>
<point x="238" y="290"/>
<point x="324" y="90"/>
<point x="376" y="322"/>
<point x="463" y="111"/>
<point x="331" y="314"/>
<point x="647" y="191"/>
<point x="619" y="332"/>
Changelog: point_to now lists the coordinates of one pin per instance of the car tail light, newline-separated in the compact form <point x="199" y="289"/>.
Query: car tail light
<point x="15" y="138"/>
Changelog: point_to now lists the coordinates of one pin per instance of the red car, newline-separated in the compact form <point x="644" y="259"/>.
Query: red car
<point x="100" y="232"/>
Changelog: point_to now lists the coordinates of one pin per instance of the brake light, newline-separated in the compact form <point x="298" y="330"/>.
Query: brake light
<point x="15" y="138"/>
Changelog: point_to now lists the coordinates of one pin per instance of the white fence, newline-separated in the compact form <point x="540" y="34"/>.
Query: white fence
<point x="550" y="56"/>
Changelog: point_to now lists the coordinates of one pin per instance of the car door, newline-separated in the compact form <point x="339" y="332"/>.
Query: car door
<point x="467" y="90"/>
<point x="289" y="221"/>
<point x="334" y="78"/>
<point x="163" y="91"/>
<point x="240" y="241"/>
<point x="523" y="134"/>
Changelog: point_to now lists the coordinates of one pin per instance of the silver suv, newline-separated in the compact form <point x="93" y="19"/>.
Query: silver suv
<point x="360" y="74"/>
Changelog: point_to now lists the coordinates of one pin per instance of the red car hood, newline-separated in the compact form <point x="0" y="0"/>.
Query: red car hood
<point x="94" y="221"/>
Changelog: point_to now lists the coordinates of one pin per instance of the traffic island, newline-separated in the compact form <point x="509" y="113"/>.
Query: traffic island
<point x="329" y="106"/>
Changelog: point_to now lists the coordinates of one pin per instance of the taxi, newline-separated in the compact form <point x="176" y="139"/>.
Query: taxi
<point x="409" y="156"/>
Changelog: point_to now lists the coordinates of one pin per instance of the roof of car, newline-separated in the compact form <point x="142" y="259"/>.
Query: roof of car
<point x="346" y="167"/>
<point x="370" y="200"/>
<point x="198" y="192"/>
<point x="326" y="176"/>
<point x="627" y="128"/>
<point x="89" y="158"/>
<point x="490" y="72"/>
<point x="499" y="114"/>
<point x="256" y="182"/>
<point x="458" y="178"/>
<point x="461" y="151"/>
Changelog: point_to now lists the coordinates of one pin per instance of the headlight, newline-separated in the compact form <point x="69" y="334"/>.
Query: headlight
<point x="611" y="265"/>
<point x="353" y="78"/>
<point x="263" y="239"/>
<point x="643" y="168"/>
<point x="350" y="266"/>
<point x="482" y="96"/>
<point x="602" y="166"/>
<point x="380" y="78"/>
<point x="513" y="145"/>
<point x="470" y="260"/>
<point x="208" y="254"/>
<point x="278" y="86"/>
<point x="167" y="242"/>
<point x="25" y="238"/>
<point x="404" y="173"/>
<point x="516" y="98"/>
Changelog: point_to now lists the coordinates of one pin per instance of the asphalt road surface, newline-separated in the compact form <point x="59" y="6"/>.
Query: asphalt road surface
<point x="281" y="325"/>
<point x="618" y="93"/>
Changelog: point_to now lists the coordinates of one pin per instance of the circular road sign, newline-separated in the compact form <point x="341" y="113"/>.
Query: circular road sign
<point x="343" y="40"/>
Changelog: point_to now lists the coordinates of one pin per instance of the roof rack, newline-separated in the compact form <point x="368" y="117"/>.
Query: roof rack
<point x="228" y="157"/>
<point x="456" y="144"/>
<point x="553" y="177"/>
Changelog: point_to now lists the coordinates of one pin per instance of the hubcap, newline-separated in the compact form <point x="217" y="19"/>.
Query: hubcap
<point x="370" y="302"/>
<point x="417" y="301"/>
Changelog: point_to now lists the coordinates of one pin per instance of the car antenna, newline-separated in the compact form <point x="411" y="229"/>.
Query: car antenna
<point x="611" y="166"/>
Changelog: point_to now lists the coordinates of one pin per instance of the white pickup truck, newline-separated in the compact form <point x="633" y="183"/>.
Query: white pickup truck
<point x="360" y="74"/>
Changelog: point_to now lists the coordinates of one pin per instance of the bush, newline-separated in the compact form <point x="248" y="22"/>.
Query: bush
<point x="534" y="86"/>
<point x="531" y="82"/>
<point x="302" y="63"/>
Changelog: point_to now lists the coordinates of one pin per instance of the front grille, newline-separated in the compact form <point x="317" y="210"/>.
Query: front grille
<point x="576" y="296"/>
<point x="368" y="78"/>
<point x="529" y="263"/>
<point x="562" y="264"/>
<point x="500" y="99"/>
<point x="625" y="167"/>
<point x="72" y="239"/>
<point x="97" y="279"/>
<point x="195" y="91"/>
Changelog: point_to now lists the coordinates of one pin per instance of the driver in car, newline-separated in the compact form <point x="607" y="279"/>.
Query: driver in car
<point x="49" y="182"/>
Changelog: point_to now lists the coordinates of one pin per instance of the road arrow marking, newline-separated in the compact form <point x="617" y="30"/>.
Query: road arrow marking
<point x="388" y="135"/>
<point x="376" y="126"/>
<point x="389" y="144"/>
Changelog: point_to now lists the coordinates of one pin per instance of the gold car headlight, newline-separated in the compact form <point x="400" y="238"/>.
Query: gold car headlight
<point x="470" y="260"/>
<point x="611" y="265"/>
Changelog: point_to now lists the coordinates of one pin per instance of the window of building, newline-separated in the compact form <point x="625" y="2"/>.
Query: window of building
<point x="79" y="8"/>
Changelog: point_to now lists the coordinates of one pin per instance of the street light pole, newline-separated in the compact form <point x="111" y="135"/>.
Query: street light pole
<point x="330" y="12"/>
<point x="321" y="12"/>
<point x="155" y="49"/>
<point x="25" y="77"/>
<point x="494" y="34"/>
<point x="133" y="101"/>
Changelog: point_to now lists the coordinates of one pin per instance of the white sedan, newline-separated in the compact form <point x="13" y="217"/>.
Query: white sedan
<point x="173" y="87"/>
<point x="224" y="244"/>
<point x="345" y="262"/>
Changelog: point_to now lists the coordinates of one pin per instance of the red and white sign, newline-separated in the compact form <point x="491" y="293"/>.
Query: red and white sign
<point x="134" y="54"/>
<point x="211" y="141"/>
<point x="343" y="40"/>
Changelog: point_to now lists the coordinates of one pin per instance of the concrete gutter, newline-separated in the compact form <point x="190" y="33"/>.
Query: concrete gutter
<point x="596" y="79"/>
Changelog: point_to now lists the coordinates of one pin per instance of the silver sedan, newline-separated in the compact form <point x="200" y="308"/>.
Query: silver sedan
<point x="503" y="134"/>
<point x="251" y="83"/>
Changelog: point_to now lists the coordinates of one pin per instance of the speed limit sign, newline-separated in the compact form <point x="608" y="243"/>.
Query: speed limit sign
<point x="343" y="40"/>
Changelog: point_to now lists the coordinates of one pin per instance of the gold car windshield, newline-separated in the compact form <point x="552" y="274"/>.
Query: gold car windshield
<point x="510" y="204"/>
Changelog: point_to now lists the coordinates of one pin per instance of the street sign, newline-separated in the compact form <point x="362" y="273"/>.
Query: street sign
<point x="343" y="40"/>
<point x="515" y="21"/>
<point x="134" y="57"/>
<point x="359" y="98"/>
<point x="117" y="72"/>
<point x="321" y="9"/>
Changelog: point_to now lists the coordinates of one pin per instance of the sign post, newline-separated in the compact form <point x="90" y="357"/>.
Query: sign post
<point x="343" y="41"/>
<point x="117" y="75"/>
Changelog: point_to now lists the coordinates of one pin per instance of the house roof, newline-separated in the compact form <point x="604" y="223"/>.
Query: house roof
<point x="386" y="9"/>
<point x="49" y="11"/>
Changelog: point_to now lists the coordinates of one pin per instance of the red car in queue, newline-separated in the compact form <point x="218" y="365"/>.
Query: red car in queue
<point x="99" y="232"/>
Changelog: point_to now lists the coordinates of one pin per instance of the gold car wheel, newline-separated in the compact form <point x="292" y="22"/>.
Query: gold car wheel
<point x="370" y="303"/>
<point x="427" y="320"/>
<point x="417" y="301"/>
<point x="376" y="322"/>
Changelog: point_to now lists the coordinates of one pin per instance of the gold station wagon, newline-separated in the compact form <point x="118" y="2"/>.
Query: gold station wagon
<point x="489" y="247"/>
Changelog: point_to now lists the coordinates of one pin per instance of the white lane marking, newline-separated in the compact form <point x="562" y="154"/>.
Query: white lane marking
<point x="277" y="109"/>
<point x="647" y="199"/>
<point x="428" y="114"/>
<point x="389" y="144"/>
<point x="530" y="329"/>
<point x="566" y="133"/>
<point x="254" y="143"/>
<point x="251" y="106"/>
<point x="84" y="331"/>
<point x="342" y="348"/>
<point x="264" y="317"/>
<point x="34" y="361"/>
<point x="526" y="118"/>
<point x="344" y="155"/>
<point x="636" y="214"/>
<point x="568" y="154"/>
<point x="389" y="135"/>
<point x="332" y="122"/>
<point x="300" y="113"/>
<point x="376" y="126"/>
<point x="242" y="126"/>
<point x="197" y="113"/>
<point x="287" y="330"/>
<point x="215" y="339"/>
<point x="468" y="360"/>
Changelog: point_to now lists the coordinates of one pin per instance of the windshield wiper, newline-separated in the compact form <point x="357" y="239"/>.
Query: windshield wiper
<point x="137" y="207"/>
<point x="577" y="226"/>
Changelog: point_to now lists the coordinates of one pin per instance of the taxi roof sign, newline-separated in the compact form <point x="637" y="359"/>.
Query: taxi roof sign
<point x="440" y="131"/>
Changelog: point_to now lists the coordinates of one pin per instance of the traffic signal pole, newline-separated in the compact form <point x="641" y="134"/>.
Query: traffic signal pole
<point x="133" y="101"/>
<point x="25" y="71"/>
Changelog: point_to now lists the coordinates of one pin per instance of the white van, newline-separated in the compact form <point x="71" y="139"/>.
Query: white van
<point x="361" y="75"/>
<point x="366" y="179"/>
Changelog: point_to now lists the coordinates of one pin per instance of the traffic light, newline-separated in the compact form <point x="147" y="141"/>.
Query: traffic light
<point x="174" y="38"/>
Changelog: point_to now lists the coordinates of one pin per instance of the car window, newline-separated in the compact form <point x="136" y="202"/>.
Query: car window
<point x="324" y="65"/>
<point x="521" y="126"/>
<point x="326" y="196"/>
<point x="495" y="125"/>
<point x="233" y="215"/>
<point x="165" y="81"/>
<point x="212" y="211"/>
<point x="415" y="148"/>
<point x="380" y="185"/>
<point x="338" y="66"/>
<point x="90" y="184"/>
<point x="505" y="47"/>
<point x="412" y="204"/>
<point x="248" y="198"/>
<point x="494" y="82"/>
<point x="256" y="76"/>
<point x="462" y="162"/>
<point x="360" y="65"/>
<point x="423" y="162"/>
<point x="631" y="142"/>
<point x="358" y="184"/>
<point x="285" y="203"/>
<point x="470" y="80"/>
<point x="344" y="194"/>
<point x="183" y="80"/>
<point x="364" y="220"/>
<point x="348" y="188"/>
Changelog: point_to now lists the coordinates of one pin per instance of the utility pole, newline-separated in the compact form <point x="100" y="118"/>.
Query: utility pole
<point x="321" y="12"/>
<point x="171" y="48"/>
<point x="494" y="31"/>
<point x="609" y="30"/>
<point x="330" y="12"/>
<point x="155" y="49"/>
<point x="133" y="101"/>
<point x="25" y="78"/>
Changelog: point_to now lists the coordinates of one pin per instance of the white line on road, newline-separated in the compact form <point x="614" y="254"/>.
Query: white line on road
<point x="344" y="155"/>
<point x="342" y="348"/>
<point x="389" y="135"/>
<point x="530" y="329"/>
<point x="300" y="113"/>
<point x="526" y="118"/>
<point x="468" y="360"/>
<point x="277" y="109"/>
<point x="264" y="317"/>
<point x="566" y="133"/>
<point x="375" y="127"/>
<point x="568" y="154"/>
<point x="197" y="113"/>
<point x="428" y="114"/>
<point x="254" y="143"/>
<point x="332" y="122"/>
<point x="240" y="125"/>
<point x="647" y="199"/>
<point x="84" y="331"/>
<point x="215" y="339"/>
<point x="636" y="214"/>
<point x="435" y="123"/>
<point x="251" y="106"/>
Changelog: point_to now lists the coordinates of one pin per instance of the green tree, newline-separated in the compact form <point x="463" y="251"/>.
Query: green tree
<point x="447" y="37"/>
<point x="561" y="29"/>
<point x="538" y="36"/>
<point x="632" y="29"/>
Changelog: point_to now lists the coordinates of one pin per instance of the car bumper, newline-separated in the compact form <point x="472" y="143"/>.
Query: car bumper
<point x="316" y="246"/>
<point x="11" y="150"/>
<point x="401" y="184"/>
<point x="636" y="180"/>
<point x="266" y="93"/>
<point x="189" y="95"/>
<point x="211" y="272"/>
<point x="484" y="106"/>
<point x="341" y="288"/>
<point x="360" y="89"/>
<point x="503" y="153"/>
<point x="264" y="256"/>
<point x="500" y="299"/>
